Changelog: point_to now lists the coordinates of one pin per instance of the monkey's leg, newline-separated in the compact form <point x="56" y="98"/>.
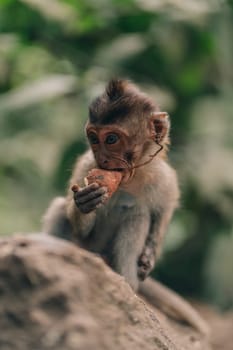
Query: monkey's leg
<point x="55" y="221"/>
<point x="128" y="243"/>
<point x="151" y="247"/>
<point x="172" y="304"/>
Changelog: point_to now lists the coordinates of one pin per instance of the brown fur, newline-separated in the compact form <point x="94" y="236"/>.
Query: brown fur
<point x="121" y="100"/>
<point x="127" y="231"/>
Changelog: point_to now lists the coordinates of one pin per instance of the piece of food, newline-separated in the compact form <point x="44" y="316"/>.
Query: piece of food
<point x="105" y="178"/>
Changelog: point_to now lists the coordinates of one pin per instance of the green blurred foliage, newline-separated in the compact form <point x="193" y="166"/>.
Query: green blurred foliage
<point x="55" y="56"/>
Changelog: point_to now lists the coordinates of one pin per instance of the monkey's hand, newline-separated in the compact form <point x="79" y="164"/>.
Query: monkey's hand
<point x="90" y="197"/>
<point x="146" y="262"/>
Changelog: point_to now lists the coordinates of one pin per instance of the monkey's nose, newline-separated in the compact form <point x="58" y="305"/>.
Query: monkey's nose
<point x="104" y="163"/>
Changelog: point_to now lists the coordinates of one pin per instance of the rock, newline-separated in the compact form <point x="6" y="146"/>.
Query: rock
<point x="221" y="325"/>
<point x="55" y="295"/>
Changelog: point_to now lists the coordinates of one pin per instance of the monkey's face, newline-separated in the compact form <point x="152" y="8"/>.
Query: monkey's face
<point x="123" y="147"/>
<point x="113" y="147"/>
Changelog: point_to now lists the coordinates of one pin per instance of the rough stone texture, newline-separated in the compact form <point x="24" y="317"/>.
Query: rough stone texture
<point x="57" y="296"/>
<point x="221" y="325"/>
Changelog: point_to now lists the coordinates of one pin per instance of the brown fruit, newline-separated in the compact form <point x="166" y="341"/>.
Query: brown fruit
<point x="105" y="178"/>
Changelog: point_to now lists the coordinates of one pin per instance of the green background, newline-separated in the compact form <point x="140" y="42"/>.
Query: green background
<point x="55" y="56"/>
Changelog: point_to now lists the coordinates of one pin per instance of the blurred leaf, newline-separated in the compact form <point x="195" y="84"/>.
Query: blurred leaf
<point x="190" y="79"/>
<point x="66" y="164"/>
<point x="218" y="271"/>
<point x="52" y="9"/>
<point x="185" y="10"/>
<point x="37" y="92"/>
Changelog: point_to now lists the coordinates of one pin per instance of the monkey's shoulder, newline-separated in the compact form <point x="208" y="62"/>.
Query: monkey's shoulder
<point x="155" y="185"/>
<point x="163" y="188"/>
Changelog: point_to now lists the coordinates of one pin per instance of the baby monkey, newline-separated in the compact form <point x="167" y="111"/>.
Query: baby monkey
<point x="127" y="133"/>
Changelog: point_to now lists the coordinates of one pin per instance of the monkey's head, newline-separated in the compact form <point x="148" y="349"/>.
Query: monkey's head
<point x="125" y="127"/>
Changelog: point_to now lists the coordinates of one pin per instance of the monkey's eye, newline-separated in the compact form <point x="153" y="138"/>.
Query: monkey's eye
<point x="111" y="139"/>
<point x="93" y="139"/>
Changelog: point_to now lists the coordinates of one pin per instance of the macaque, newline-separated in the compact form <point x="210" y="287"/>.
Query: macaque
<point x="128" y="135"/>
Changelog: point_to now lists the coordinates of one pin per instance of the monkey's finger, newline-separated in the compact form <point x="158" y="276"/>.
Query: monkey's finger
<point x="161" y="114"/>
<point x="85" y="190"/>
<point x="91" y="195"/>
<point x="142" y="273"/>
<point x="90" y="206"/>
<point x="75" y="188"/>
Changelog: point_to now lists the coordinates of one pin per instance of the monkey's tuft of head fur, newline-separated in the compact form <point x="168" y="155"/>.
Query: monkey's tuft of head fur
<point x="120" y="100"/>
<point x="115" y="89"/>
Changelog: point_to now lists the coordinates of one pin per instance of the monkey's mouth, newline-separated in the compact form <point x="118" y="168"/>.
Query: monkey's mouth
<point x="118" y="169"/>
<point x="127" y="173"/>
<point x="121" y="165"/>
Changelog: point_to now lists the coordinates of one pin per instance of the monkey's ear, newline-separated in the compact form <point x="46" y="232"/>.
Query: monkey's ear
<point x="159" y="125"/>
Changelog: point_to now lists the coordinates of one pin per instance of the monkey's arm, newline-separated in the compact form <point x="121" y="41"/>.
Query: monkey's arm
<point x="151" y="251"/>
<point x="81" y="204"/>
<point x="164" y="197"/>
<point x="63" y="218"/>
<point x="55" y="221"/>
